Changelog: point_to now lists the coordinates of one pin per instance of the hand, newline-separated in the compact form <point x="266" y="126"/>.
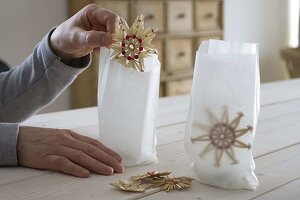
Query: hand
<point x="86" y="31"/>
<point x="65" y="151"/>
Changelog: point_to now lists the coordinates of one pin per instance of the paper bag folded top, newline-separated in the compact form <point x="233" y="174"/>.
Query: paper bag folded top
<point x="223" y="114"/>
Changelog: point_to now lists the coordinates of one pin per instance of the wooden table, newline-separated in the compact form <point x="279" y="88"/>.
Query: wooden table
<point x="276" y="151"/>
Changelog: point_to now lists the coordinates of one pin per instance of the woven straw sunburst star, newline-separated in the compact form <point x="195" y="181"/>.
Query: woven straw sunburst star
<point x="222" y="136"/>
<point x="131" y="186"/>
<point x="132" y="44"/>
<point x="153" y="175"/>
<point x="168" y="184"/>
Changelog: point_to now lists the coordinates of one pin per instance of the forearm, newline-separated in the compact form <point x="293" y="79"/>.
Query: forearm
<point x="30" y="86"/>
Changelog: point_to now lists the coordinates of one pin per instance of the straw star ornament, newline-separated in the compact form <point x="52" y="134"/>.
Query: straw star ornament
<point x="132" y="44"/>
<point x="176" y="183"/>
<point x="131" y="186"/>
<point x="155" y="179"/>
<point x="153" y="175"/>
<point x="223" y="136"/>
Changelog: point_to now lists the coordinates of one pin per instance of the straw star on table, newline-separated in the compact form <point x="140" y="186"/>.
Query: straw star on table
<point x="161" y="180"/>
<point x="132" y="44"/>
<point x="169" y="184"/>
<point x="222" y="135"/>
<point x="131" y="186"/>
<point x="153" y="175"/>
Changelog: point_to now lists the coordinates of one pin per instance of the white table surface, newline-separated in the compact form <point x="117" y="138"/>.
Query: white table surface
<point x="276" y="152"/>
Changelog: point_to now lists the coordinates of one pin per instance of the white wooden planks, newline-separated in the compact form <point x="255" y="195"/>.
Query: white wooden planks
<point x="171" y="109"/>
<point x="273" y="171"/>
<point x="289" y="191"/>
<point x="276" y="149"/>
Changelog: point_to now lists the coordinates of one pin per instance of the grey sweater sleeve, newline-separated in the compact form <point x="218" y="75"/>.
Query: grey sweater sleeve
<point x="28" y="88"/>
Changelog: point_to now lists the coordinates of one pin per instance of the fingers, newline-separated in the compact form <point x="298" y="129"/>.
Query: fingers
<point x="96" y="39"/>
<point x="61" y="164"/>
<point x="95" y="153"/>
<point x="105" y="17"/>
<point x="95" y="143"/>
<point x="90" y="28"/>
<point x="84" y="160"/>
<point x="59" y="150"/>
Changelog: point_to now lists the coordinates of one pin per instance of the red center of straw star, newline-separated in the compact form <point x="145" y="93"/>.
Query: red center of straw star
<point x="132" y="47"/>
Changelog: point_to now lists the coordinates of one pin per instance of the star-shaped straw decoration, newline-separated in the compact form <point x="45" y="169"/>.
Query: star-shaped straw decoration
<point x="131" y="186"/>
<point x="153" y="175"/>
<point x="132" y="44"/>
<point x="223" y="136"/>
<point x="155" y="179"/>
<point x="169" y="184"/>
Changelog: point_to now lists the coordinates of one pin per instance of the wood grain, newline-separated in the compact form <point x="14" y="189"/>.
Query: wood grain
<point x="276" y="151"/>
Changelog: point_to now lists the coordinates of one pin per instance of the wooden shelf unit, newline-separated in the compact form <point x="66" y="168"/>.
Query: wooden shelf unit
<point x="292" y="59"/>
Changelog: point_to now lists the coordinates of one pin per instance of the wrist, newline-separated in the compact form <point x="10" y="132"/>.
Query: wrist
<point x="55" y="44"/>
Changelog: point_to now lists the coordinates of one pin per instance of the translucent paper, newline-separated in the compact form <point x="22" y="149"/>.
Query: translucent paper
<point x="223" y="115"/>
<point x="127" y="102"/>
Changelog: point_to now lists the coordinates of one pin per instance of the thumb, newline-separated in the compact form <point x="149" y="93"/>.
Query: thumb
<point x="96" y="39"/>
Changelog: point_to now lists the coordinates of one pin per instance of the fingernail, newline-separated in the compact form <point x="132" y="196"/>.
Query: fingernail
<point x="122" y="169"/>
<point x="106" y="40"/>
<point x="119" y="169"/>
<point x="110" y="171"/>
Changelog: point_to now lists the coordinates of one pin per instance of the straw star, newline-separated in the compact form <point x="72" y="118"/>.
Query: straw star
<point x="131" y="186"/>
<point x="169" y="184"/>
<point x="132" y="44"/>
<point x="222" y="136"/>
<point x="153" y="175"/>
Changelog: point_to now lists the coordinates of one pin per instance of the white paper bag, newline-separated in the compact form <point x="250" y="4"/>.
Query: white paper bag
<point x="127" y="102"/>
<point x="223" y="115"/>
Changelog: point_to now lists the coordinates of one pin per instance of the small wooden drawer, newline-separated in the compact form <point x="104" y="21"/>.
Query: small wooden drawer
<point x="179" y="54"/>
<point x="121" y="8"/>
<point x="159" y="46"/>
<point x="178" y="87"/>
<point x="208" y="15"/>
<point x="180" y="16"/>
<point x="153" y="13"/>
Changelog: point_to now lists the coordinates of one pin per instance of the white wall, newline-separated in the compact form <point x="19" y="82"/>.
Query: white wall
<point x="23" y="24"/>
<point x="294" y="23"/>
<point x="264" y="22"/>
